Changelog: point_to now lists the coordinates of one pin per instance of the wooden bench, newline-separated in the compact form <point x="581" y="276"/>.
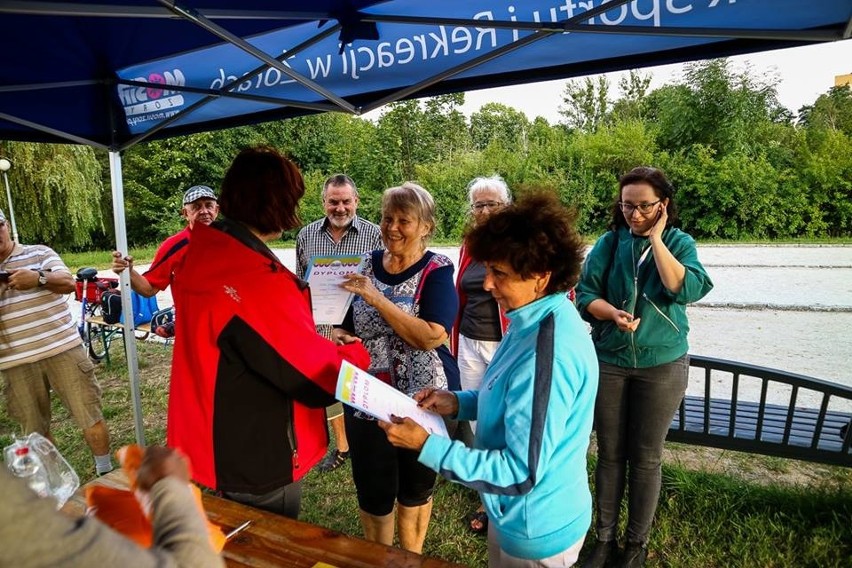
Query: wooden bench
<point x="791" y="430"/>
<point x="273" y="540"/>
<point x="119" y="327"/>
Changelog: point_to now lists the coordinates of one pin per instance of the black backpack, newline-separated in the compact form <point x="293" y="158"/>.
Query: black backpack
<point x="111" y="306"/>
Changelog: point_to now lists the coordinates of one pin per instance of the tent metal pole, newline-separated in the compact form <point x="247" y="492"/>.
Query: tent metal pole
<point x="52" y="131"/>
<point x="126" y="302"/>
<point x="224" y="91"/>
<point x="238" y="42"/>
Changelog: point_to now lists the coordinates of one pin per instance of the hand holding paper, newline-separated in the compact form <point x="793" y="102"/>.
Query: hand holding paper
<point x="325" y="274"/>
<point x="443" y="402"/>
<point x="404" y="433"/>
<point x="365" y="392"/>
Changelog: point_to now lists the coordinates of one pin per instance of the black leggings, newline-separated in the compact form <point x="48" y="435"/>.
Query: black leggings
<point x="383" y="473"/>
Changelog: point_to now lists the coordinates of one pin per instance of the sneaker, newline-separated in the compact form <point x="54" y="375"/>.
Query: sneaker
<point x="634" y="555"/>
<point x="332" y="461"/>
<point x="604" y="554"/>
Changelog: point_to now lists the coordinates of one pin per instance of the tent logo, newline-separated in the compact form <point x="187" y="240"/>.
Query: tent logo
<point x="152" y="102"/>
<point x="151" y="91"/>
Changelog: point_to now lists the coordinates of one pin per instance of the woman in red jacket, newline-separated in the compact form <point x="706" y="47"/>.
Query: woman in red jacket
<point x="251" y="377"/>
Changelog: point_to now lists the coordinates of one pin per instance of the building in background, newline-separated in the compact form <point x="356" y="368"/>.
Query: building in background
<point x="840" y="80"/>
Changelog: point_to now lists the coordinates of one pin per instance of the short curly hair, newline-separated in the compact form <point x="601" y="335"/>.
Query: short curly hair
<point x="536" y="234"/>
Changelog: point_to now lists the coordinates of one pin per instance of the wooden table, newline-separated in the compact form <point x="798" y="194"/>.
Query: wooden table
<point x="273" y="541"/>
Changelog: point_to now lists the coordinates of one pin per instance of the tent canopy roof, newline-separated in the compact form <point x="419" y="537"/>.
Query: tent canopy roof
<point x="110" y="74"/>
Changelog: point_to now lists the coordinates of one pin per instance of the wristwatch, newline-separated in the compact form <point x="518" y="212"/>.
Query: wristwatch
<point x="42" y="279"/>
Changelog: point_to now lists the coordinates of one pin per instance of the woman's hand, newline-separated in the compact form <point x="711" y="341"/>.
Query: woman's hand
<point x="416" y="332"/>
<point x="342" y="337"/>
<point x="624" y="321"/>
<point x="657" y="228"/>
<point x="442" y="402"/>
<point x="404" y="433"/>
<point x="363" y="286"/>
<point x="672" y="272"/>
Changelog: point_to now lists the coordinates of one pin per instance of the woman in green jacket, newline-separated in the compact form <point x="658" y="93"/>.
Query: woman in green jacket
<point x="635" y="286"/>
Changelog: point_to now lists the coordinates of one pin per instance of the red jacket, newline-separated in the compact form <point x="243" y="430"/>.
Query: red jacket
<point x="250" y="377"/>
<point x="464" y="261"/>
<point x="167" y="260"/>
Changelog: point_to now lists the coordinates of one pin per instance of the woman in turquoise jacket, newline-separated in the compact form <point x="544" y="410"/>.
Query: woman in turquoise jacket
<point x="635" y="286"/>
<point x="534" y="407"/>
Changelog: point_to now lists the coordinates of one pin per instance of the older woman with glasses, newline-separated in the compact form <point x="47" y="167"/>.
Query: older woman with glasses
<point x="636" y="283"/>
<point x="480" y="324"/>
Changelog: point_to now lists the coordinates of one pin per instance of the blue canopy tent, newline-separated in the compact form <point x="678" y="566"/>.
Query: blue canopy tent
<point x="113" y="73"/>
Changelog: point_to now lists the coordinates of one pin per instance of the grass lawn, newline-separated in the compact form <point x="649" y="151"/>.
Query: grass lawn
<point x="717" y="509"/>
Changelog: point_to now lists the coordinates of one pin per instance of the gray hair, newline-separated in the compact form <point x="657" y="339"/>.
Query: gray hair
<point x="494" y="182"/>
<point x="410" y="197"/>
<point x="338" y="180"/>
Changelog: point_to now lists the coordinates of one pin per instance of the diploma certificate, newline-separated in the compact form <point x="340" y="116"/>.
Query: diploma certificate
<point x="365" y="392"/>
<point x="325" y="274"/>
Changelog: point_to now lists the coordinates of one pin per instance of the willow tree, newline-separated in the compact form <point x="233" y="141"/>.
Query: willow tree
<point x="56" y="192"/>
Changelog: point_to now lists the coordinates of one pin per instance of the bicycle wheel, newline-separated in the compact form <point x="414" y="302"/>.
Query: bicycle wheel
<point x="95" y="343"/>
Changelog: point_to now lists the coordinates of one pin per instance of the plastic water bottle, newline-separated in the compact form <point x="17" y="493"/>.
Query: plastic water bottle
<point x="61" y="476"/>
<point x="35" y="458"/>
<point x="27" y="465"/>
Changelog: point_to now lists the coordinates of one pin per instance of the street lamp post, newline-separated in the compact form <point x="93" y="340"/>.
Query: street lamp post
<point x="5" y="165"/>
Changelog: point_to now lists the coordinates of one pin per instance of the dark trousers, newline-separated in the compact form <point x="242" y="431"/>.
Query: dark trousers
<point x="284" y="501"/>
<point x="633" y="412"/>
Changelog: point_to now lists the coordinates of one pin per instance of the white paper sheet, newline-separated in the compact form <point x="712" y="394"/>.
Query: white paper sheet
<point x="325" y="274"/>
<point x="365" y="392"/>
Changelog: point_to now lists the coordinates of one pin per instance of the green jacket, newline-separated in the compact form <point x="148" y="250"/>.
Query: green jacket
<point x="661" y="335"/>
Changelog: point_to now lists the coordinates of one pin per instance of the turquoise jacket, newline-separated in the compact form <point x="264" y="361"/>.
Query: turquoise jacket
<point x="534" y="412"/>
<point x="662" y="334"/>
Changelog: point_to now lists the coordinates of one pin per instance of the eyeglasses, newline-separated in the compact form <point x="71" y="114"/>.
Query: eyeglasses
<point x="480" y="205"/>
<point x="644" y="208"/>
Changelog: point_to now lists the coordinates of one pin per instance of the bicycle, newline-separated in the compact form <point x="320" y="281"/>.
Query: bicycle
<point x="88" y="290"/>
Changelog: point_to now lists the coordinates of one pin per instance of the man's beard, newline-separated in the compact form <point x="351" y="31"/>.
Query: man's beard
<point x="340" y="222"/>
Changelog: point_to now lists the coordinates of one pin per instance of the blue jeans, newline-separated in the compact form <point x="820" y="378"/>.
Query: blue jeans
<point x="633" y="411"/>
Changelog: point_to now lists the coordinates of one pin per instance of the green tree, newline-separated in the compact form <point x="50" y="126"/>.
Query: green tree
<point x="634" y="90"/>
<point x="414" y="133"/>
<point x="56" y="192"/>
<point x="157" y="173"/>
<point x="444" y="126"/>
<point x="398" y="136"/>
<point x="716" y="107"/>
<point x="825" y="183"/>
<point x="500" y="124"/>
<point x="586" y="103"/>
<point x="832" y="111"/>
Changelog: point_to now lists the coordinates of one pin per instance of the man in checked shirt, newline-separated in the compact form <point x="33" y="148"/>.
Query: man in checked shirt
<point x="340" y="232"/>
